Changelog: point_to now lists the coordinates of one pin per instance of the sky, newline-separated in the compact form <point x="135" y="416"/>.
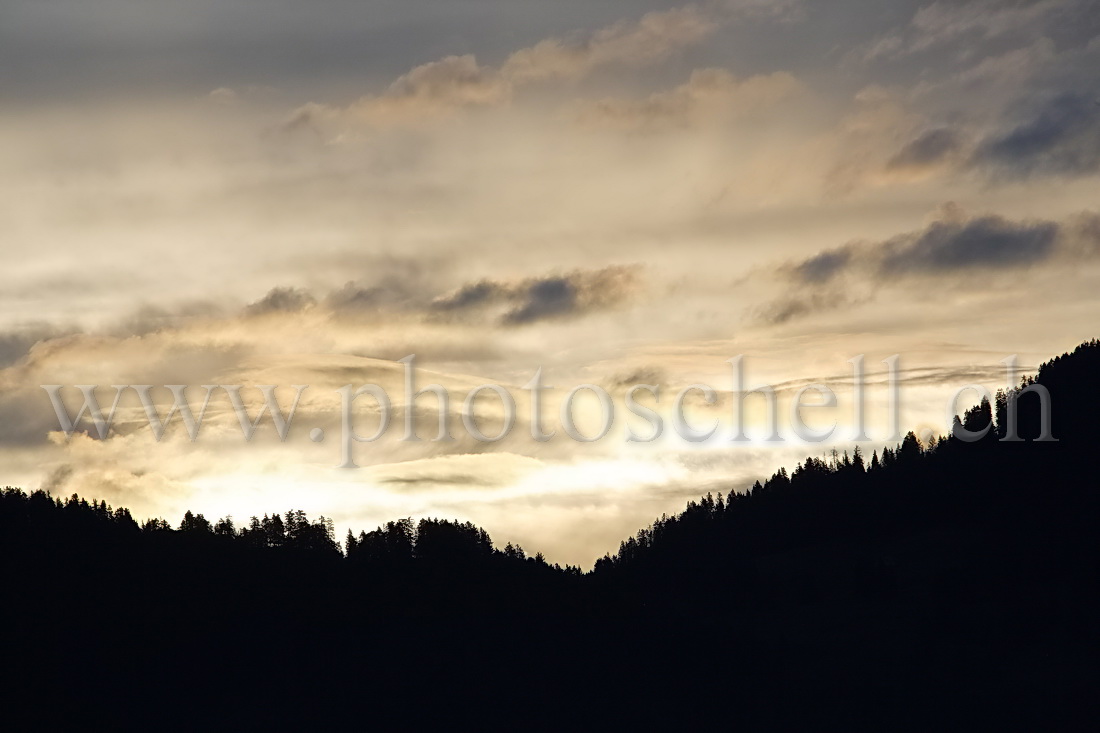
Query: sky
<point x="288" y="193"/>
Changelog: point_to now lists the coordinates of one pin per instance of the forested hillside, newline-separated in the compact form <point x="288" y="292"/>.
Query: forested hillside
<point x="956" y="581"/>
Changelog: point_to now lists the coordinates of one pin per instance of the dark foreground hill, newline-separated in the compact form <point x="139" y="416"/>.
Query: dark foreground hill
<point x="951" y="585"/>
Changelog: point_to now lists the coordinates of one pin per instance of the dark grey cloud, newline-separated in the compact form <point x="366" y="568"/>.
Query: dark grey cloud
<point x="822" y="266"/>
<point x="572" y="295"/>
<point x="510" y="302"/>
<point x="353" y="296"/>
<point x="791" y="307"/>
<point x="988" y="241"/>
<point x="930" y="148"/>
<point x="474" y="295"/>
<point x="526" y="301"/>
<point x="281" y="300"/>
<point x="393" y="294"/>
<point x="1061" y="136"/>
<point x="548" y="298"/>
<point x="952" y="244"/>
<point x="639" y="375"/>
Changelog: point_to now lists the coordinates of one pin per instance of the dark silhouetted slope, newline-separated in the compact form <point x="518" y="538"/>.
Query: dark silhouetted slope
<point x="944" y="585"/>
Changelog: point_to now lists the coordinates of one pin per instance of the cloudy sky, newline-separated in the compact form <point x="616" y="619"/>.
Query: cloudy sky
<point x="289" y="193"/>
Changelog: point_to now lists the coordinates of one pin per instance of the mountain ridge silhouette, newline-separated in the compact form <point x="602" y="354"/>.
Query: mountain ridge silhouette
<point x="952" y="584"/>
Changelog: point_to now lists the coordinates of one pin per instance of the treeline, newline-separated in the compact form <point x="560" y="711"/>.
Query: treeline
<point x="397" y="542"/>
<point x="983" y="511"/>
<point x="956" y="580"/>
<point x="393" y="544"/>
